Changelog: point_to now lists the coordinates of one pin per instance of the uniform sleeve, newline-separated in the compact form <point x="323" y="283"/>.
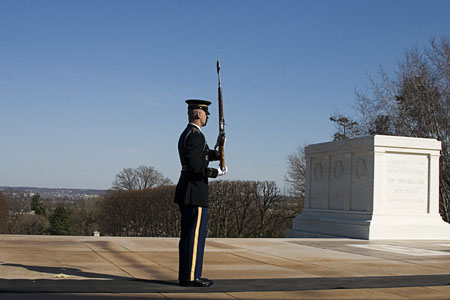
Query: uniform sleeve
<point x="214" y="155"/>
<point x="212" y="172"/>
<point x="197" y="163"/>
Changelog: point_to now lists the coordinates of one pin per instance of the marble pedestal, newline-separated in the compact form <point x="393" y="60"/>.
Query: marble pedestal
<point x="377" y="187"/>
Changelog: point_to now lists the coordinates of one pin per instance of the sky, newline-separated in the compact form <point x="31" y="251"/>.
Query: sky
<point x="90" y="87"/>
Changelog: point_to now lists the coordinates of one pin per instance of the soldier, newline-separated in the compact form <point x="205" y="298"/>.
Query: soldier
<point x="192" y="194"/>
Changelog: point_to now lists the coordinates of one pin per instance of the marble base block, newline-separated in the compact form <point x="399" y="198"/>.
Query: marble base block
<point x="377" y="187"/>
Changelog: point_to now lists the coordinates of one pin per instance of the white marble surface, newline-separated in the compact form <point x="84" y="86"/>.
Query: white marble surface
<point x="376" y="187"/>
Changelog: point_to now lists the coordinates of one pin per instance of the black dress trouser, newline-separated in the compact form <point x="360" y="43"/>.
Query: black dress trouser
<point x="192" y="241"/>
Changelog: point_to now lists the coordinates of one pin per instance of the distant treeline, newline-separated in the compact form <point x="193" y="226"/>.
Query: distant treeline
<point x="237" y="209"/>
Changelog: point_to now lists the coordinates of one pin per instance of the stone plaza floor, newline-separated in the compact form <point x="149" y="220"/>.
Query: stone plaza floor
<point x="55" y="267"/>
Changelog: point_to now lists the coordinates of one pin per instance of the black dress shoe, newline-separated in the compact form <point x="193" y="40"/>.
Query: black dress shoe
<point x="199" y="282"/>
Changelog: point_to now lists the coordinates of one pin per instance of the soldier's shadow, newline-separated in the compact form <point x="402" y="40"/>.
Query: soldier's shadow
<point x="80" y="273"/>
<point x="65" y="271"/>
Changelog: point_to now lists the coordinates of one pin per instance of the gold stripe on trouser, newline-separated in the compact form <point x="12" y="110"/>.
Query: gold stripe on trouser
<point x="194" y="253"/>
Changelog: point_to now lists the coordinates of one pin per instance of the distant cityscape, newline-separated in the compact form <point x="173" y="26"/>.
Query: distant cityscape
<point x="52" y="193"/>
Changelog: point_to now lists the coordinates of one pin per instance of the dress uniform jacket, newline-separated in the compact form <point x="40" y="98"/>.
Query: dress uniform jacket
<point x="195" y="155"/>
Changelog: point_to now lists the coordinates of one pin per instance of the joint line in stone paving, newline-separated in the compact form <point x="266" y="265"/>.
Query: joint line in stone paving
<point x="117" y="266"/>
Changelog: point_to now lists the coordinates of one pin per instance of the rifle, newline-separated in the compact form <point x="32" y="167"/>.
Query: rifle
<point x="221" y="121"/>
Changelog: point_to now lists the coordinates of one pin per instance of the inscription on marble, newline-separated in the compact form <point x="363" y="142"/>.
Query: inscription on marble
<point x="338" y="169"/>
<point x="361" y="168"/>
<point x="318" y="171"/>
<point x="406" y="181"/>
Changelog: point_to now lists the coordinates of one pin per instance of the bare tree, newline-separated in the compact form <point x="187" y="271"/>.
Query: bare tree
<point x="4" y="214"/>
<point x="148" y="177"/>
<point x="29" y="224"/>
<point x="125" y="180"/>
<point x="220" y="209"/>
<point x="84" y="217"/>
<point x="268" y="199"/>
<point x="243" y="197"/>
<point x="296" y="173"/>
<point x="236" y="209"/>
<point x="148" y="212"/>
<point x="248" y="209"/>
<point x="415" y="102"/>
<point x="140" y="178"/>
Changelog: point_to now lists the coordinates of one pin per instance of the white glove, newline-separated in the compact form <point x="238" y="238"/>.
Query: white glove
<point x="220" y="172"/>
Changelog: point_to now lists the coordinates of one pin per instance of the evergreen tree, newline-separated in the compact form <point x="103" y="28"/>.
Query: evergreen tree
<point x="60" y="222"/>
<point x="37" y="205"/>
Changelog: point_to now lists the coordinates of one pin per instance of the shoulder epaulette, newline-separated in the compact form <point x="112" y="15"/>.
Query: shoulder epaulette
<point x="193" y="130"/>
